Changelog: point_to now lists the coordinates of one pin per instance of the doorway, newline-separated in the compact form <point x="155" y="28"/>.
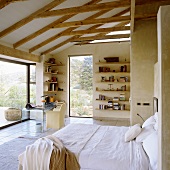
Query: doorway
<point x="81" y="86"/>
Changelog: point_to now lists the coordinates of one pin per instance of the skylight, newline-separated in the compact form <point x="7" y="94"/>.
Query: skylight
<point x="111" y="40"/>
<point x="119" y="32"/>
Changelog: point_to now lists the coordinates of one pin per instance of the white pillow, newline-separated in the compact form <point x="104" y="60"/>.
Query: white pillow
<point x="156" y="119"/>
<point x="149" y="121"/>
<point x="132" y="132"/>
<point x="146" y="131"/>
<point x="150" y="145"/>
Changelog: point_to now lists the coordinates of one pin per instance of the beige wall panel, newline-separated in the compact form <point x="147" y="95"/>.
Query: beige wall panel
<point x="143" y="58"/>
<point x="164" y="94"/>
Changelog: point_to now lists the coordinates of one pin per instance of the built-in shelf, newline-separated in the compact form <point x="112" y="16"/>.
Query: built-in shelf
<point x="113" y="110"/>
<point x="53" y="91"/>
<point x="111" y="72"/>
<point x="119" y="101"/>
<point x="49" y="64"/>
<point x="113" y="82"/>
<point x="112" y="91"/>
<point x="54" y="82"/>
<point x="114" y="63"/>
<point x="59" y="73"/>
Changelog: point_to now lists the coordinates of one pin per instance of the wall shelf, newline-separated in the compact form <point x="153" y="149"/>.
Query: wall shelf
<point x="113" y="63"/>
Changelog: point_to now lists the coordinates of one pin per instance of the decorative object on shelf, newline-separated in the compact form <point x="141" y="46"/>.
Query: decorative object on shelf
<point x="112" y="59"/>
<point x="123" y="68"/>
<point x="122" y="97"/>
<point x="123" y="88"/>
<point x="101" y="97"/>
<point x="51" y="61"/>
<point x="103" y="78"/>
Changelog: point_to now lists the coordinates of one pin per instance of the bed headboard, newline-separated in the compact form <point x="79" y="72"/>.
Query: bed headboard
<point x="155" y="105"/>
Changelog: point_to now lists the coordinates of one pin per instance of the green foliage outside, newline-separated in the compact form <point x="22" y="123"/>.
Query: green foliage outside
<point x="81" y="86"/>
<point x="13" y="86"/>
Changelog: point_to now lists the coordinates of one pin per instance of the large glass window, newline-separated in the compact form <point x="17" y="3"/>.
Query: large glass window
<point x="13" y="85"/>
<point x="81" y="86"/>
<point x="17" y="87"/>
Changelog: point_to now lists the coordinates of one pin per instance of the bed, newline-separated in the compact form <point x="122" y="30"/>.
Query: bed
<point x="110" y="147"/>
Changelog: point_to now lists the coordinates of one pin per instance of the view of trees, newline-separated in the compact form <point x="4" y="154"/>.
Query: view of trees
<point x="81" y="86"/>
<point x="13" y="87"/>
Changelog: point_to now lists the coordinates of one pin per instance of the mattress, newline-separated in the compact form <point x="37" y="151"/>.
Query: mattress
<point x="103" y="147"/>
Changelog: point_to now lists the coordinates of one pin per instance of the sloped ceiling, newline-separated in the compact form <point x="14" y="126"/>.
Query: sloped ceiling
<point x="49" y="26"/>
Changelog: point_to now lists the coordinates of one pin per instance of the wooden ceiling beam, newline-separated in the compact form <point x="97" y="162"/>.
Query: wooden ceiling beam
<point x="71" y="38"/>
<point x="49" y="26"/>
<point x="99" y="30"/>
<point x="81" y="9"/>
<point x="118" y="41"/>
<point x="4" y="3"/>
<point x="30" y="18"/>
<point x="91" y="38"/>
<point x="132" y="14"/>
<point x="93" y="21"/>
<point x="68" y="30"/>
<point x="8" y="51"/>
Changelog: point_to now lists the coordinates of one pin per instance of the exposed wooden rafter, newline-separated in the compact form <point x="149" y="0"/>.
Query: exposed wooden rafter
<point x="30" y="18"/>
<point x="8" y="51"/>
<point x="97" y="37"/>
<point x="68" y="30"/>
<point x="91" y="28"/>
<point x="132" y="14"/>
<point x="96" y="7"/>
<point x="93" y="21"/>
<point x="4" y="3"/>
<point x="49" y="26"/>
<point x="99" y="30"/>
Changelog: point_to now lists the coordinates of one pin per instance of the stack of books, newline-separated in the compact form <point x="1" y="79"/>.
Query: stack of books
<point x="115" y="106"/>
<point x="115" y="98"/>
<point x="122" y="97"/>
<point x="122" y="79"/>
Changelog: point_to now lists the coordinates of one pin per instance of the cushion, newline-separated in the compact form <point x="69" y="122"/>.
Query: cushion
<point x="132" y="132"/>
<point x="156" y="119"/>
<point x="149" y="121"/>
<point x="146" y="131"/>
<point x="150" y="145"/>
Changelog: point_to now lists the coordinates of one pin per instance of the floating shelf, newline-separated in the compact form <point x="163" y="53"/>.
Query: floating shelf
<point x="53" y="91"/>
<point x="112" y="91"/>
<point x="59" y="73"/>
<point x="114" y="63"/>
<point x="54" y="82"/>
<point x="49" y="64"/>
<point x="112" y="110"/>
<point x="111" y="72"/>
<point x="119" y="101"/>
<point x="112" y="82"/>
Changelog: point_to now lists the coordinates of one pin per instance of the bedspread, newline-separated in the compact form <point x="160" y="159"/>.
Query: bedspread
<point x="103" y="147"/>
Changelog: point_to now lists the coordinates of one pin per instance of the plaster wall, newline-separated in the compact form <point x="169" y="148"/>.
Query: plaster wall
<point x="98" y="51"/>
<point x="143" y="58"/>
<point x="164" y="93"/>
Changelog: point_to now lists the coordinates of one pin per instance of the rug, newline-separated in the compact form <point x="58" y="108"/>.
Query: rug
<point x="9" y="152"/>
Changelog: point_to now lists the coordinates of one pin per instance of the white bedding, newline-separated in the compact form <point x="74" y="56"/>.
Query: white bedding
<point x="103" y="147"/>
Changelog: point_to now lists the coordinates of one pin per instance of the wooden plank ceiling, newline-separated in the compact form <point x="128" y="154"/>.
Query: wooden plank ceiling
<point x="47" y="27"/>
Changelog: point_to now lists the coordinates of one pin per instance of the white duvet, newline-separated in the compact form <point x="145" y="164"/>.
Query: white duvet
<point x="103" y="147"/>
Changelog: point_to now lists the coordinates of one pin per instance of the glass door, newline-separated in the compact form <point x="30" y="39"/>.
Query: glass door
<point x="81" y="86"/>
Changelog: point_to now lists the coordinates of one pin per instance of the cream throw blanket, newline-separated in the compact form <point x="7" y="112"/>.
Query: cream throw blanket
<point x="47" y="153"/>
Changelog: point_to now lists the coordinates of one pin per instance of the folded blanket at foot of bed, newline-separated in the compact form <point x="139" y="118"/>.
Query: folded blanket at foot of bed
<point x="47" y="153"/>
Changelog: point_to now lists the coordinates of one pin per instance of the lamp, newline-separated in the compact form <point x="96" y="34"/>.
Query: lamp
<point x="140" y="117"/>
